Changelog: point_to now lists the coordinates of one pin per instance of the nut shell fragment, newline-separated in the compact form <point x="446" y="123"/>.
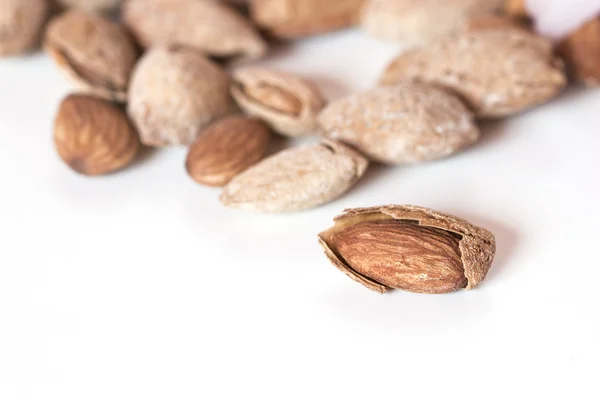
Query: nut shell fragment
<point x="498" y="72"/>
<point x="21" y="22"/>
<point x="93" y="136"/>
<point x="476" y="245"/>
<point x="96" y="54"/>
<point x="286" y="102"/>
<point x="296" y="179"/>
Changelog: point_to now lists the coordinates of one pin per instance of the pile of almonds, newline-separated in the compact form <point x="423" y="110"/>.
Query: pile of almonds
<point x="160" y="73"/>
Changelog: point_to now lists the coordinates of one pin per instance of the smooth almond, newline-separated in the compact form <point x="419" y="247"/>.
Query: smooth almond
<point x="409" y="248"/>
<point x="93" y="136"/>
<point x="401" y="124"/>
<point x="498" y="72"/>
<point x="225" y="149"/>
<point x="296" y="179"/>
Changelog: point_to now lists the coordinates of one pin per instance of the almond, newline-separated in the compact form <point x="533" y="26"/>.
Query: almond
<point x="581" y="51"/>
<point x="89" y="5"/>
<point x="401" y="124"/>
<point x="286" y="102"/>
<point x="296" y="179"/>
<point x="415" y="22"/>
<point x="225" y="149"/>
<point x="93" y="52"/>
<point x="516" y="8"/>
<point x="292" y="19"/>
<point x="409" y="248"/>
<point x="21" y="22"/>
<point x="211" y="27"/>
<point x="174" y="94"/>
<point x="498" y="72"/>
<point x="94" y="137"/>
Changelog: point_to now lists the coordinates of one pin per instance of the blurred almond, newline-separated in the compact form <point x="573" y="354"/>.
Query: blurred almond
<point x="581" y="51"/>
<point x="401" y="124"/>
<point x="516" y="8"/>
<point x="94" y="52"/>
<point x="89" y="5"/>
<point x="298" y="18"/>
<point x="225" y="149"/>
<point x="21" y="22"/>
<point x="174" y="94"/>
<point x="93" y="136"/>
<point x="498" y="72"/>
<point x="296" y="179"/>
<point x="286" y="102"/>
<point x="209" y="26"/>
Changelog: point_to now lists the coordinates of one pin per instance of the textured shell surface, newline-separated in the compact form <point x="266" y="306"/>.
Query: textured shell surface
<point x="174" y="93"/>
<point x="96" y="53"/>
<point x="400" y="124"/>
<point x="419" y="21"/>
<point x="296" y="179"/>
<point x="290" y="104"/>
<point x="498" y="72"/>
<point x="210" y="26"/>
<point x="21" y="23"/>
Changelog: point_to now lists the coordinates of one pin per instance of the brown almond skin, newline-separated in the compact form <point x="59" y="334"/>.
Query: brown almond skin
<point x="225" y="149"/>
<point x="410" y="248"/>
<point x="581" y="51"/>
<point x="292" y="19"/>
<point x="95" y="53"/>
<point x="516" y="8"/>
<point x="21" y="22"/>
<point x="88" y="5"/>
<point x="94" y="137"/>
<point x="288" y="103"/>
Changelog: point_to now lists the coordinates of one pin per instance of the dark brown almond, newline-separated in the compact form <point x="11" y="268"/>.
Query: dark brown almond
<point x="581" y="51"/>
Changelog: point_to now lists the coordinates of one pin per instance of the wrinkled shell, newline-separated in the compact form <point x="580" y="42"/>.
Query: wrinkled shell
<point x="405" y="123"/>
<point x="225" y="149"/>
<point x="296" y="179"/>
<point x="92" y="51"/>
<point x="499" y="72"/>
<point x="21" y="22"/>
<point x="287" y="103"/>
<point x="174" y="94"/>
<point x="581" y="51"/>
<point x="297" y="18"/>
<point x="415" y="22"/>
<point x="477" y="245"/>
<point x="89" y="5"/>
<point x="209" y="26"/>
<point x="94" y="137"/>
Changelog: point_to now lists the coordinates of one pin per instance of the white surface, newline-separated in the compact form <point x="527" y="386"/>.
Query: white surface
<point x="140" y="285"/>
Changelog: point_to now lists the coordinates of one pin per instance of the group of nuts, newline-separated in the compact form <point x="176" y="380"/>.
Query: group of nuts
<point x="155" y="75"/>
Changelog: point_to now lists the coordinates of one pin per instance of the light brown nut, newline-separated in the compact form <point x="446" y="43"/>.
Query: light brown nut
<point x="21" y="22"/>
<point x="516" y="8"/>
<point x="581" y="51"/>
<point x="225" y="149"/>
<point x="409" y="248"/>
<point x="496" y="22"/>
<point x="286" y="102"/>
<point x="93" y="136"/>
<point x="88" y="5"/>
<point x="96" y="54"/>
<point x="296" y="179"/>
<point x="208" y="26"/>
<point x="498" y="72"/>
<point x="174" y="94"/>
<point x="292" y="19"/>
<point x="415" y="22"/>
<point x="401" y="124"/>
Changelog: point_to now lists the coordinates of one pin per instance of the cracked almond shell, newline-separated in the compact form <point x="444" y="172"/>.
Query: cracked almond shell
<point x="21" y="23"/>
<point x="95" y="53"/>
<point x="208" y="26"/>
<point x="498" y="72"/>
<point x="296" y="179"/>
<point x="476" y="248"/>
<point x="401" y="124"/>
<point x="93" y="136"/>
<point x="174" y="94"/>
<point x="287" y="103"/>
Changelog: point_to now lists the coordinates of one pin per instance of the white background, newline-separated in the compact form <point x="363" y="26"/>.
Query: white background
<point x="140" y="285"/>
